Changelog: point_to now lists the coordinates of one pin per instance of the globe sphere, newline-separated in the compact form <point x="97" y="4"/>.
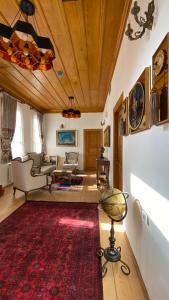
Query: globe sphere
<point x="113" y="203"/>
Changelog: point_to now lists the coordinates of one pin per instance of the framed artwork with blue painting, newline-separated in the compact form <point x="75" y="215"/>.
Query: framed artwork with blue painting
<point x="66" y="137"/>
<point x="139" y="103"/>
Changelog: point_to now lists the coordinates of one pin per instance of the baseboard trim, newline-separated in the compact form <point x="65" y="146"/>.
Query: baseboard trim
<point x="7" y="185"/>
<point x="137" y="268"/>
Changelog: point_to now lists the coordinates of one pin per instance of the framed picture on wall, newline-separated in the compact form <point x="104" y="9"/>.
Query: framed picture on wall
<point x="107" y="137"/>
<point x="66" y="137"/>
<point x="139" y="103"/>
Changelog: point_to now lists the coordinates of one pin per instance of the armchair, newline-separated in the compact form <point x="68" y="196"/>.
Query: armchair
<point x="22" y="178"/>
<point x="71" y="161"/>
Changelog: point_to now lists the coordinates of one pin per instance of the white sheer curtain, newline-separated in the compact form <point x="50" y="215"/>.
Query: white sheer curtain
<point x="36" y="134"/>
<point x="17" y="144"/>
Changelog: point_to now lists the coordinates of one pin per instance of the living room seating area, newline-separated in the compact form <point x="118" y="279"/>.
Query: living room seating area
<point x="42" y="164"/>
<point x="23" y="180"/>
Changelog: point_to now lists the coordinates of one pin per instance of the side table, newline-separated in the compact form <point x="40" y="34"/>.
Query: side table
<point x="102" y="175"/>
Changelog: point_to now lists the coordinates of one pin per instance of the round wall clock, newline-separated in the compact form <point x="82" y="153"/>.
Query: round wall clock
<point x="159" y="61"/>
<point x="136" y="105"/>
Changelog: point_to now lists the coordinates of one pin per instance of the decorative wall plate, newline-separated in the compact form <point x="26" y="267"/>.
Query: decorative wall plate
<point x="159" y="61"/>
<point x="136" y="105"/>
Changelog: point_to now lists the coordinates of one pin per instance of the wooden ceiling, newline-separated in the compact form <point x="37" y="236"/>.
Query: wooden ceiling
<point x="86" y="35"/>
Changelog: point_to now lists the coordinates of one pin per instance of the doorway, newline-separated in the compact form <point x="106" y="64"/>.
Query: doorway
<point x="117" y="147"/>
<point x="93" y="140"/>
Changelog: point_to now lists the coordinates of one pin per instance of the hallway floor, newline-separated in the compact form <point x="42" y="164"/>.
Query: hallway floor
<point x="116" y="286"/>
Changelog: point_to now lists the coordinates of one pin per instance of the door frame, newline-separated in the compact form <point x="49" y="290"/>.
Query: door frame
<point x="115" y="147"/>
<point x="84" y="142"/>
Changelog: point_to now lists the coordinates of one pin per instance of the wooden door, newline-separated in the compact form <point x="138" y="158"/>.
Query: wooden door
<point x="93" y="140"/>
<point x="117" y="148"/>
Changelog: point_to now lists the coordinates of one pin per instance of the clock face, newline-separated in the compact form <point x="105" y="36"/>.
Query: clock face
<point x="159" y="61"/>
<point x="136" y="105"/>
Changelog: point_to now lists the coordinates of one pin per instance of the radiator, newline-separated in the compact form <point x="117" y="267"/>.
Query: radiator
<point x="10" y="177"/>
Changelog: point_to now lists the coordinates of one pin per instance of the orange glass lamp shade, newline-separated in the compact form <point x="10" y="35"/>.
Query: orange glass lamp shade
<point x="71" y="113"/>
<point x="21" y="45"/>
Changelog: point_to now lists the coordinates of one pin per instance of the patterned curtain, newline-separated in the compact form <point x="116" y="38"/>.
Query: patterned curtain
<point x="8" y="119"/>
<point x="40" y="119"/>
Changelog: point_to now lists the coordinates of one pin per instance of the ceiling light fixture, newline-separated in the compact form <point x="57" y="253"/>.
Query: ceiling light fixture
<point x="144" y="23"/>
<point x="21" y="44"/>
<point x="71" y="113"/>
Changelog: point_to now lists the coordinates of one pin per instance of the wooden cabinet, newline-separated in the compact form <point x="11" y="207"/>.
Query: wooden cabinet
<point x="103" y="167"/>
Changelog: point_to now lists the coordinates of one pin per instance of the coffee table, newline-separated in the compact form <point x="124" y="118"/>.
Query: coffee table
<point x="61" y="174"/>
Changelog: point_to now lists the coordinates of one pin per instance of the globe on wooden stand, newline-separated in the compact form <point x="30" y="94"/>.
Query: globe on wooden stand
<point x="114" y="204"/>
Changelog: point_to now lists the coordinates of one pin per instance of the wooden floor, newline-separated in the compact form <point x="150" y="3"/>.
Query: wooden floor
<point x="116" y="286"/>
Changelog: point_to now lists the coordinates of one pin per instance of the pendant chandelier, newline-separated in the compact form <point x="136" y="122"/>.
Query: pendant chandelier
<point x="71" y="113"/>
<point x="21" y="44"/>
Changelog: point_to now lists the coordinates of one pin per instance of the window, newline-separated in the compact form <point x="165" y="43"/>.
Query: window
<point x="37" y="141"/>
<point x="17" y="144"/>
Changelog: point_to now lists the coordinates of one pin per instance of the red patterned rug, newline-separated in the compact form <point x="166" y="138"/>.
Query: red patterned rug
<point x="48" y="251"/>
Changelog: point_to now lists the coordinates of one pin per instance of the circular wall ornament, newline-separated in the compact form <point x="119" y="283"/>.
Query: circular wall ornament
<point x="159" y="61"/>
<point x="136" y="105"/>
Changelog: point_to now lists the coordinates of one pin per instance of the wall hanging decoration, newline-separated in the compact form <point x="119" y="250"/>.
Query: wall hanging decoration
<point x="107" y="137"/>
<point x="66" y="137"/>
<point x="123" y="126"/>
<point x="144" y="22"/>
<point x="22" y="45"/>
<point x="139" y="104"/>
<point x="159" y="94"/>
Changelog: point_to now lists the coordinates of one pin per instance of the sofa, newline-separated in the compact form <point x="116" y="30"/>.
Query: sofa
<point x="42" y="164"/>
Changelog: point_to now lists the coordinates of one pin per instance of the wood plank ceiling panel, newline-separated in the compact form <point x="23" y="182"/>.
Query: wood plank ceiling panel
<point x="11" y="87"/>
<point x="86" y="35"/>
<point x="74" y="11"/>
<point x="113" y="33"/>
<point x="92" y="13"/>
<point x="63" y="42"/>
<point x="25" y="87"/>
<point x="61" y="85"/>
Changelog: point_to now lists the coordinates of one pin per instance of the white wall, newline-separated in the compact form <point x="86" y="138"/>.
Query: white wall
<point x="53" y="122"/>
<point x="146" y="163"/>
<point x="27" y="115"/>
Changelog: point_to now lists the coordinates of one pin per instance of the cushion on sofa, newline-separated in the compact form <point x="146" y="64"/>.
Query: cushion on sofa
<point x="47" y="169"/>
<point x="37" y="158"/>
<point x="46" y="158"/>
<point x="25" y="157"/>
